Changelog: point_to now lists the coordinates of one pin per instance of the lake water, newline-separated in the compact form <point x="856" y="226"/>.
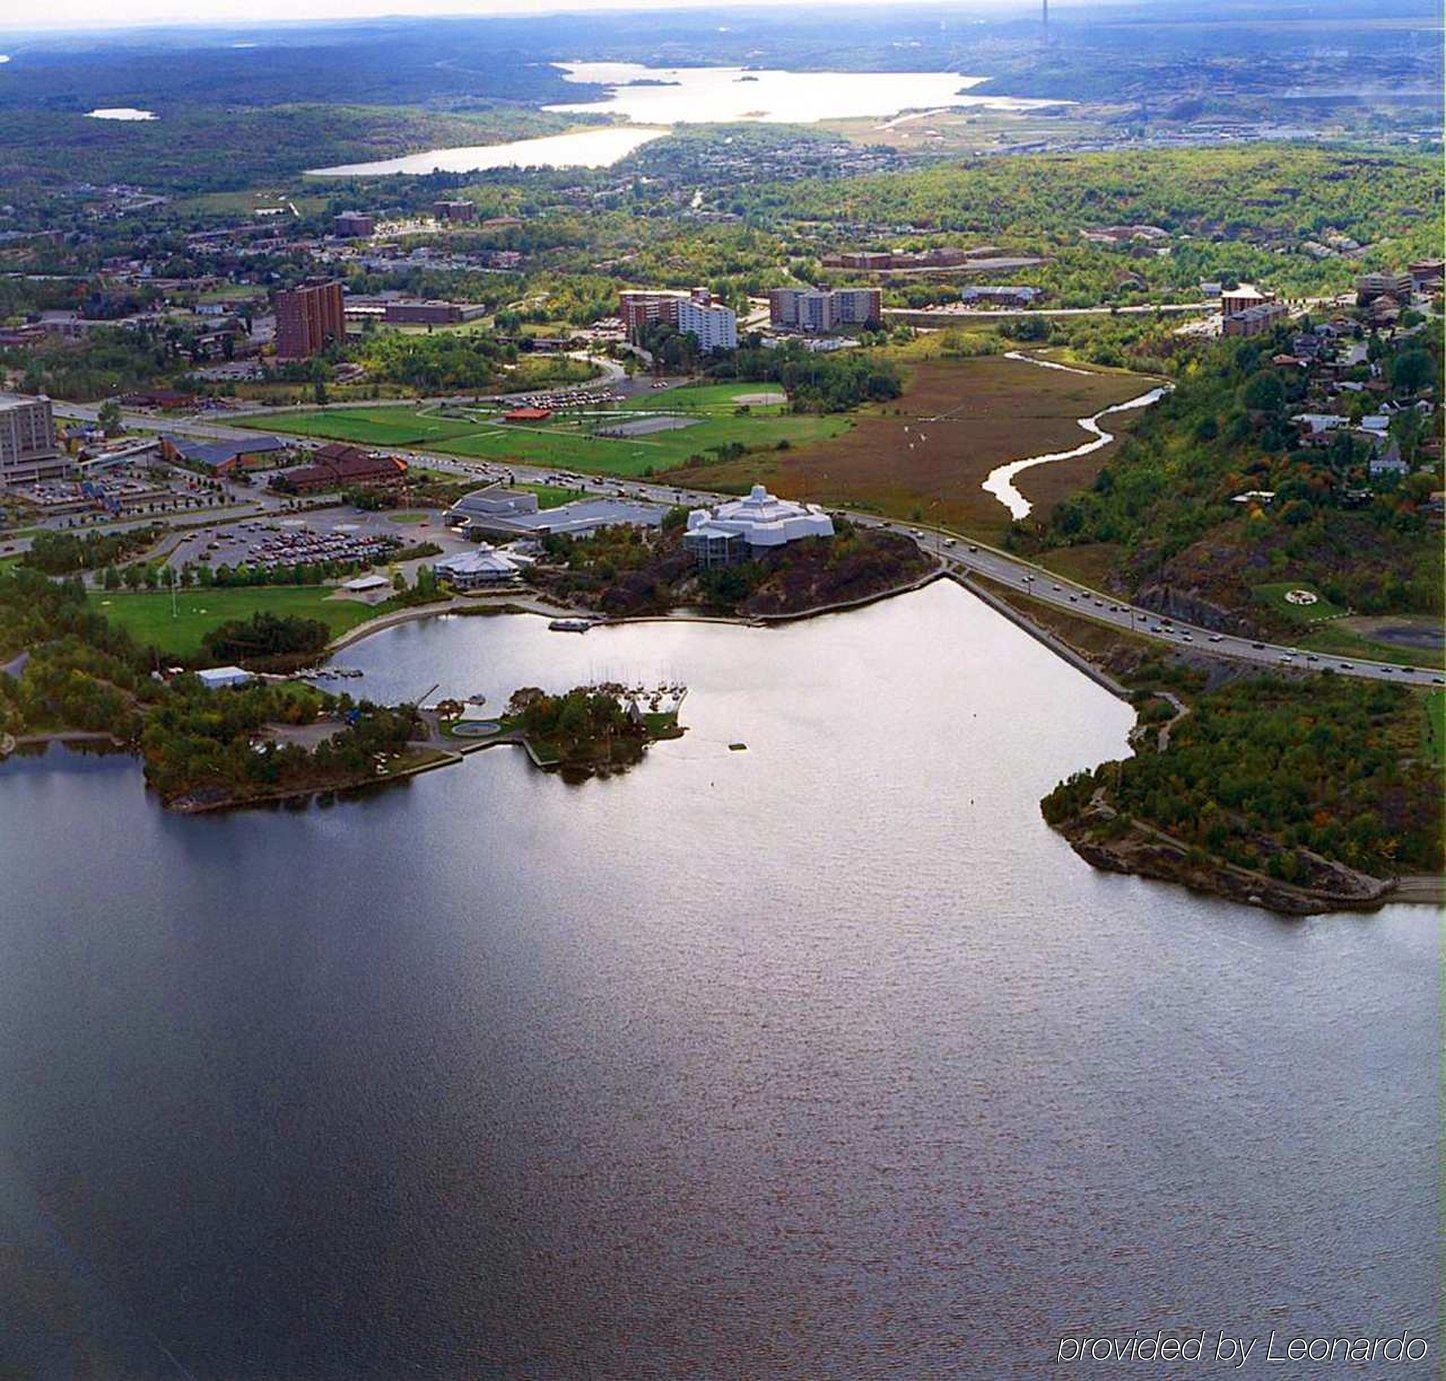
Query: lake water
<point x="826" y="1058"/>
<point x="713" y="95"/>
<point x="670" y="96"/>
<point x="588" y="148"/>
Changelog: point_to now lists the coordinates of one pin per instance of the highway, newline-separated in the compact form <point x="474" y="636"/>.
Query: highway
<point x="957" y="554"/>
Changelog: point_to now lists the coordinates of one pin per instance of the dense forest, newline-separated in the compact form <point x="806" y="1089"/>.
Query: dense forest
<point x="1263" y="768"/>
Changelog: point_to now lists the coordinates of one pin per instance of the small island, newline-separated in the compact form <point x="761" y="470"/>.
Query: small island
<point x="589" y="731"/>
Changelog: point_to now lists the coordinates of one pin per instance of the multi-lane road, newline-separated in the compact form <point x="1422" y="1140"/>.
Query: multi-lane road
<point x="958" y="554"/>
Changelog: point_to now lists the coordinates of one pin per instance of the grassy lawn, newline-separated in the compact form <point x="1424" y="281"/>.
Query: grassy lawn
<point x="1433" y="731"/>
<point x="1338" y="641"/>
<point x="378" y="426"/>
<point x="569" y="443"/>
<point x="148" y="616"/>
<point x="1273" y="596"/>
<point x="709" y="397"/>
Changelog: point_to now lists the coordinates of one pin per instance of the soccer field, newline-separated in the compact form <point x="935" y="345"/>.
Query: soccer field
<point x="148" y="616"/>
<point x="570" y="441"/>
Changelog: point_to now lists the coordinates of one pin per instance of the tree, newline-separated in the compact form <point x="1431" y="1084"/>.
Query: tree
<point x="109" y="417"/>
<point x="1413" y="370"/>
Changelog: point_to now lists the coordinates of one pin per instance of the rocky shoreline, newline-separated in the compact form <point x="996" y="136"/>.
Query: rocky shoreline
<point x="1117" y="844"/>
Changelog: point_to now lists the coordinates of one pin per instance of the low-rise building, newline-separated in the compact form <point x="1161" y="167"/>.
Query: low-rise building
<point x="454" y="210"/>
<point x="495" y="501"/>
<point x="1242" y="298"/>
<point x="1005" y="295"/>
<point x="351" y="225"/>
<point x="224" y="457"/>
<point x="412" y="311"/>
<point x="499" y="512"/>
<point x="1253" y="321"/>
<point x="743" y="529"/>
<point x="218" y="678"/>
<point x="478" y="568"/>
<point x="1370" y="286"/>
<point x="338" y="466"/>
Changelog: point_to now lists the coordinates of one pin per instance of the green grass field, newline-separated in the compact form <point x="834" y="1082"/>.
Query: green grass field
<point x="569" y="442"/>
<point x="148" y="618"/>
<point x="1336" y="640"/>
<point x="1302" y="614"/>
<point x="721" y="398"/>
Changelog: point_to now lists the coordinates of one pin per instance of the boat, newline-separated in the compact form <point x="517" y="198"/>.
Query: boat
<point x="570" y="625"/>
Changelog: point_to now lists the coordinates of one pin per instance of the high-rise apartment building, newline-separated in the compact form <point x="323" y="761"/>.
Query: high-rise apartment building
<point x="308" y="319"/>
<point x="819" y="309"/>
<point x="28" y="449"/>
<point x="715" y="326"/>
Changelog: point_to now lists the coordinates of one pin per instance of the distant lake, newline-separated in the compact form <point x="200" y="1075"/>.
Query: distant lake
<point x="655" y="98"/>
<point x="708" y="95"/>
<point x="588" y="148"/>
<point x="120" y="112"/>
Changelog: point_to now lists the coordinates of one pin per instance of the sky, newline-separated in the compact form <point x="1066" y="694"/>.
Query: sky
<point x="89" y="14"/>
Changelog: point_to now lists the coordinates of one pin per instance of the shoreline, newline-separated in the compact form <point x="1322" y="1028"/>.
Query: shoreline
<point x="510" y="603"/>
<point x="1144" y="851"/>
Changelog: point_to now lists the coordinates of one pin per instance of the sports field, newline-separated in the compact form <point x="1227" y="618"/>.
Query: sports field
<point x="571" y="441"/>
<point x="148" y="617"/>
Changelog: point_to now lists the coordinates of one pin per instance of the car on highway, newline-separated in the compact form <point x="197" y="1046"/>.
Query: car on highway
<point x="1216" y="638"/>
<point x="1259" y="647"/>
<point x="973" y="548"/>
<point x="1346" y="666"/>
<point x="1054" y="587"/>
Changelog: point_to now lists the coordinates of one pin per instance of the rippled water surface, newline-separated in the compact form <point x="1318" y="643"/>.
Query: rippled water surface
<point x="821" y="1059"/>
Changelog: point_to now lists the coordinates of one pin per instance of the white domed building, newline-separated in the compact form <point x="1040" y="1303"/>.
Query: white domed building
<point x="744" y="529"/>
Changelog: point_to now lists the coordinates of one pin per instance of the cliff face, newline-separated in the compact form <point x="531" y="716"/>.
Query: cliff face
<point x="1190" y="606"/>
<point x="1106" y="842"/>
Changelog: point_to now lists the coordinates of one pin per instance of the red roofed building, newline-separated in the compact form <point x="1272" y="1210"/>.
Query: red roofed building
<point x="337" y="466"/>
<point x="527" y="415"/>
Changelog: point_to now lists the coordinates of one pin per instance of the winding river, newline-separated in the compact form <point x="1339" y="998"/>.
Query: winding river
<point x="821" y="1058"/>
<point x="1000" y="481"/>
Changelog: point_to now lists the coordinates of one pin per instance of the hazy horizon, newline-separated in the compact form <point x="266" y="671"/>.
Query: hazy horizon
<point x="92" y="14"/>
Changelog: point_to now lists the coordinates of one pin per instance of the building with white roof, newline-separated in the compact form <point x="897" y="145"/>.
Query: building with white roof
<point x="217" y="678"/>
<point x="743" y="529"/>
<point x="478" y="568"/>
